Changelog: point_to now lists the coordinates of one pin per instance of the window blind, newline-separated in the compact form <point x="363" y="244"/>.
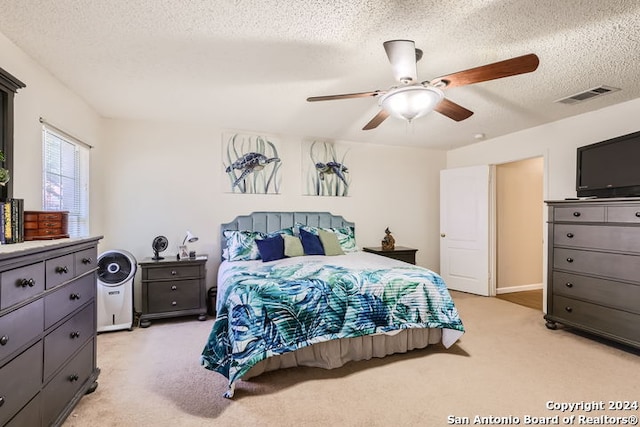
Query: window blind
<point x="66" y="178"/>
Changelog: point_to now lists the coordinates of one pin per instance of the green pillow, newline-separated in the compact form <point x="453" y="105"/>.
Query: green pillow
<point x="330" y="243"/>
<point x="292" y="246"/>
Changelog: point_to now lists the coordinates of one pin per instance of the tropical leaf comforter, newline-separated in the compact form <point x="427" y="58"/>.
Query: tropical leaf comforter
<point x="277" y="307"/>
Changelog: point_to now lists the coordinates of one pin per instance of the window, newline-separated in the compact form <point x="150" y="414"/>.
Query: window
<point x="66" y="178"/>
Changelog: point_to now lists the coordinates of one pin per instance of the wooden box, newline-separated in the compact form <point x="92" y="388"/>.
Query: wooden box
<point x="45" y="225"/>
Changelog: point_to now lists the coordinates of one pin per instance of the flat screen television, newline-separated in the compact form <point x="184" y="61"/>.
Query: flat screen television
<point x="609" y="168"/>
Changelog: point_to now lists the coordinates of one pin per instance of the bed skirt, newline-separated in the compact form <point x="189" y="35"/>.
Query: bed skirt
<point x="336" y="353"/>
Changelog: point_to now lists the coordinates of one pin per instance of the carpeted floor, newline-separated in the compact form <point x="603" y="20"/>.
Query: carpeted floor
<point x="507" y="364"/>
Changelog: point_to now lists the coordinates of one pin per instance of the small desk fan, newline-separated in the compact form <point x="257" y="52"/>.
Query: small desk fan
<point x="159" y="244"/>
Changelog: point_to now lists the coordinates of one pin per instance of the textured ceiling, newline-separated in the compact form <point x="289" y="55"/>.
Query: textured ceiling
<point x="251" y="64"/>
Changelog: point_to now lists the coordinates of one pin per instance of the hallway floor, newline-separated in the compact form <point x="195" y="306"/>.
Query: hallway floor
<point x="531" y="299"/>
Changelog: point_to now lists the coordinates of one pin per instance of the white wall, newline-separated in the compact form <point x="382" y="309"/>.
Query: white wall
<point x="167" y="178"/>
<point x="159" y="178"/>
<point x="557" y="142"/>
<point x="44" y="96"/>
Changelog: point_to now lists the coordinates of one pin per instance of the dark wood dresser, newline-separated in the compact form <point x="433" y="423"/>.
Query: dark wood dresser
<point x="47" y="329"/>
<point x="594" y="267"/>
<point x="172" y="288"/>
<point x="399" y="252"/>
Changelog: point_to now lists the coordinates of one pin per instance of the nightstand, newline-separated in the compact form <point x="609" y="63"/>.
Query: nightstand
<point x="172" y="288"/>
<point x="399" y="252"/>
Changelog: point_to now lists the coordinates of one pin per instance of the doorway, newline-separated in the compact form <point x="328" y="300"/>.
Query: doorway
<point x="519" y="231"/>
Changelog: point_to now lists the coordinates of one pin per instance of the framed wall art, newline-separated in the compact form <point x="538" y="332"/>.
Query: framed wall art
<point x="325" y="169"/>
<point x="251" y="164"/>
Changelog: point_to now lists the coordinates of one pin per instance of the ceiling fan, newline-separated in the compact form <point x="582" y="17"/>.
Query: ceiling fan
<point x="412" y="99"/>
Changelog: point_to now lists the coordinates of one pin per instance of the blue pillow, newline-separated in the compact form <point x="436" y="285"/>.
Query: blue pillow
<point x="311" y="243"/>
<point x="271" y="248"/>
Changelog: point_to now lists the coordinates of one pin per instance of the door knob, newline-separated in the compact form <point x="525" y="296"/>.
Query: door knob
<point x="442" y="235"/>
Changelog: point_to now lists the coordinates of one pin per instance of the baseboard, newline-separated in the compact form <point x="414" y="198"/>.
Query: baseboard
<point x="509" y="289"/>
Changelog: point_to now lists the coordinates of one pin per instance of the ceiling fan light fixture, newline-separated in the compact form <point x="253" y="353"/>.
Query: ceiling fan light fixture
<point x="402" y="56"/>
<point x="411" y="102"/>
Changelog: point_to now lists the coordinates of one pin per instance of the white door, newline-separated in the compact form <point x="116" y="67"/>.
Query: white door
<point x="464" y="229"/>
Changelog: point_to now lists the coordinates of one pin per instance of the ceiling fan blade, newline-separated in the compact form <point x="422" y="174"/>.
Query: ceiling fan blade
<point x="452" y="110"/>
<point x="379" y="118"/>
<point x="402" y="56"/>
<point x="497" y="70"/>
<point x="344" y="96"/>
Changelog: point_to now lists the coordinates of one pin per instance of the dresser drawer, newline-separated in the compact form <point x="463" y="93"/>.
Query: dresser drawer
<point x="66" y="339"/>
<point x="608" y="265"/>
<point x="21" y="284"/>
<point x="619" y="323"/>
<point x="172" y="296"/>
<point x="629" y="214"/>
<point x="34" y="225"/>
<point x="59" y="270"/>
<point x="20" y="380"/>
<point x="45" y="234"/>
<point x="621" y="239"/>
<point x="85" y="260"/>
<point x="44" y="216"/>
<point x="62" y="387"/>
<point x="68" y="298"/>
<point x="30" y="415"/>
<point x="173" y="272"/>
<point x="620" y="295"/>
<point x="400" y="253"/>
<point x="19" y="328"/>
<point x="406" y="257"/>
<point x="579" y="213"/>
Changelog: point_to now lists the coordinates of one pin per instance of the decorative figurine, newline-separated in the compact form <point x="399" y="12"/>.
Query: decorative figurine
<point x="388" y="243"/>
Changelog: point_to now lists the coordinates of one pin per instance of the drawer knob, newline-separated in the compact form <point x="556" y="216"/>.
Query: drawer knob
<point x="570" y="235"/>
<point x="569" y="259"/>
<point x="638" y="214"/>
<point x="74" y="377"/>
<point x="62" y="270"/>
<point x="4" y="340"/>
<point x="87" y="260"/>
<point x="569" y="309"/>
<point x="74" y="296"/>
<point x="576" y="214"/>
<point x="569" y="285"/>
<point x="1" y="400"/>
<point x="173" y="272"/>
<point x="174" y="287"/>
<point x="173" y="303"/>
<point x="74" y="334"/>
<point x="27" y="282"/>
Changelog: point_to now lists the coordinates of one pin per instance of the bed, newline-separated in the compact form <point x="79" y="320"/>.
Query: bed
<point x="324" y="305"/>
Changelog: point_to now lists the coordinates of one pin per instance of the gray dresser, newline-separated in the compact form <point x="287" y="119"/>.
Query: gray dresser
<point x="594" y="267"/>
<point x="47" y="329"/>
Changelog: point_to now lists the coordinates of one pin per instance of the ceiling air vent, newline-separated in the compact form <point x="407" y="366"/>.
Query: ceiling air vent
<point x="587" y="94"/>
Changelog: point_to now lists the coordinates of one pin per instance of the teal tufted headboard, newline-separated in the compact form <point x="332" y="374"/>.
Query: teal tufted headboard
<point x="274" y="221"/>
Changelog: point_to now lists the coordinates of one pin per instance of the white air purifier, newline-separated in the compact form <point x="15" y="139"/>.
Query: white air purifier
<point x="116" y="271"/>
